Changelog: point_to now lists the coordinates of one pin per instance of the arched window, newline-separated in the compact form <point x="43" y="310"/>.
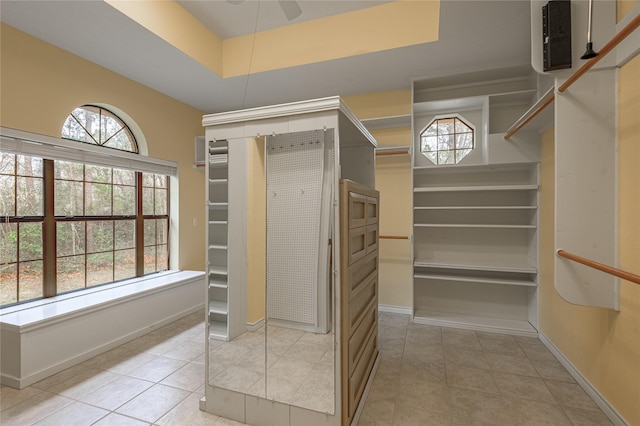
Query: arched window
<point x="447" y="140"/>
<point x="104" y="223"/>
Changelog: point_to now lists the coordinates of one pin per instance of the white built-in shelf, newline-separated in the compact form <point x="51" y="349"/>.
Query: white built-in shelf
<point x="475" y="208"/>
<point x="479" y="266"/>
<point x="541" y="121"/>
<point x="218" y="307"/>
<point x="476" y="188"/>
<point x="468" y="279"/>
<point x="218" y="222"/>
<point x="218" y="270"/>
<point x="217" y="247"/>
<point x="218" y="205"/>
<point x="472" y="322"/>
<point x="218" y="329"/>
<point x="470" y="225"/>
<point x="218" y="150"/>
<point x="218" y="181"/>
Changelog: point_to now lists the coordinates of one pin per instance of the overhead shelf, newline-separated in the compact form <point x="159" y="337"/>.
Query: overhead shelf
<point x="475" y="208"/>
<point x="469" y="279"/>
<point x="469" y="188"/>
<point x="471" y="225"/>
<point x="478" y="266"/>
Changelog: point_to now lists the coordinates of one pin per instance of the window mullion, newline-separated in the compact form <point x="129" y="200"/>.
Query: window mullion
<point x="49" y="281"/>
<point x="139" y="227"/>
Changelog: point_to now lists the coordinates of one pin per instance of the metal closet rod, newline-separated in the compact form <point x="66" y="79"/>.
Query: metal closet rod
<point x="394" y="152"/>
<point x="615" y="40"/>
<point x="601" y="267"/>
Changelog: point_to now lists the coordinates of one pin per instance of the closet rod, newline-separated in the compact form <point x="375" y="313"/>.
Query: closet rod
<point x="394" y="237"/>
<point x="601" y="267"/>
<point x="530" y="116"/>
<point x="394" y="152"/>
<point x="615" y="40"/>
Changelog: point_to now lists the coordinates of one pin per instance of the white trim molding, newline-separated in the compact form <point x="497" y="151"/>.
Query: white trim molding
<point x="591" y="390"/>
<point x="405" y="310"/>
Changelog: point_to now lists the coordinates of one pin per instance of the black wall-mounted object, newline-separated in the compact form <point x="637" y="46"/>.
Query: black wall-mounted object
<point x="556" y="35"/>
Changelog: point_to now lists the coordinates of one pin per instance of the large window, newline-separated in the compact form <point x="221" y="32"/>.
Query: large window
<point x="68" y="225"/>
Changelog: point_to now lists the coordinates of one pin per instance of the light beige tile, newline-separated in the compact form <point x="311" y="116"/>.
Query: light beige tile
<point x="157" y="369"/>
<point x="378" y="413"/>
<point x="388" y="319"/>
<point x="511" y="364"/>
<point x="110" y="358"/>
<point x="153" y="403"/>
<point x="305" y="351"/>
<point x="385" y="386"/>
<point x="424" y="395"/>
<point x="76" y="413"/>
<point x="115" y="419"/>
<point x="187" y="350"/>
<point x="410" y="416"/>
<point x="453" y="337"/>
<point x="535" y="413"/>
<point x="294" y="369"/>
<point x="10" y="396"/>
<point x="317" y="339"/>
<point x="581" y="417"/>
<point x="552" y="369"/>
<point x="500" y="346"/>
<point x="571" y="395"/>
<point x="465" y="357"/>
<point x="84" y="384"/>
<point x="432" y="372"/>
<point x="134" y="360"/>
<point x="237" y="378"/>
<point x="317" y="392"/>
<point x="471" y="378"/>
<point x="422" y="333"/>
<point x="190" y="377"/>
<point x="117" y="392"/>
<point x="229" y="352"/>
<point x="528" y="340"/>
<point x="33" y="409"/>
<point x="495" y="336"/>
<point x="279" y="388"/>
<point x="187" y="412"/>
<point x="63" y="376"/>
<point x="478" y="408"/>
<point x="537" y="352"/>
<point x="525" y="387"/>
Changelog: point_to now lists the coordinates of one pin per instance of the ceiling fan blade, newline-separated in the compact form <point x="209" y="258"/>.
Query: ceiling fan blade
<point x="290" y="8"/>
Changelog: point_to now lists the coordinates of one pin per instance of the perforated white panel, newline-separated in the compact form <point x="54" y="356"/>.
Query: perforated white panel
<point x="295" y="163"/>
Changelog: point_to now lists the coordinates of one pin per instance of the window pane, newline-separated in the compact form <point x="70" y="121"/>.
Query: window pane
<point x="70" y="273"/>
<point x="30" y="197"/>
<point x="99" y="236"/>
<point x="163" y="258"/>
<point x="445" y="143"/>
<point x="430" y="143"/>
<point x="147" y="201"/>
<point x="461" y="127"/>
<point x="160" y="181"/>
<point x="68" y="170"/>
<point x="97" y="201"/>
<point x="124" y="177"/>
<point x="30" y="281"/>
<point x="461" y="154"/>
<point x="7" y="164"/>
<point x="68" y="198"/>
<point x="446" y="157"/>
<point x="8" y="242"/>
<point x="125" y="264"/>
<point x="161" y="231"/>
<point x="109" y="126"/>
<point x="97" y="174"/>
<point x="121" y="141"/>
<point x="464" y="140"/>
<point x="150" y="259"/>
<point x="89" y="118"/>
<point x="147" y="180"/>
<point x="30" y="241"/>
<point x="161" y="201"/>
<point x="431" y="130"/>
<point x="70" y="238"/>
<point x="29" y="166"/>
<point x="7" y="196"/>
<point x="125" y="234"/>
<point x="99" y="268"/>
<point x="124" y="200"/>
<point x="8" y="284"/>
<point x="149" y="232"/>
<point x="445" y="126"/>
<point x="73" y="130"/>
<point x="433" y="156"/>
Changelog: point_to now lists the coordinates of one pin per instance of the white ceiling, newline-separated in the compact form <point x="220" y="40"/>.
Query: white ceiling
<point x="474" y="35"/>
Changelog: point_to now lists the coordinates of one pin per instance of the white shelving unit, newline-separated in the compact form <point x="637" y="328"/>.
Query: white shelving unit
<point x="475" y="247"/>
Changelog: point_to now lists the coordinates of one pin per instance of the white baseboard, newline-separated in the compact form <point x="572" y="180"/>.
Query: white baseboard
<point x="405" y="310"/>
<point x="256" y="325"/>
<point x="591" y="390"/>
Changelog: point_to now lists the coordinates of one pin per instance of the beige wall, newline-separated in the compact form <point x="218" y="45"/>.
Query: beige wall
<point x="42" y="84"/>
<point x="257" y="230"/>
<point x="602" y="344"/>
<point x="393" y="180"/>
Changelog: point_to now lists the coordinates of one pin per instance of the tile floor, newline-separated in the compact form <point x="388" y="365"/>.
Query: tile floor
<point x="427" y="376"/>
<point x="299" y="366"/>
<point x="444" y="376"/>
